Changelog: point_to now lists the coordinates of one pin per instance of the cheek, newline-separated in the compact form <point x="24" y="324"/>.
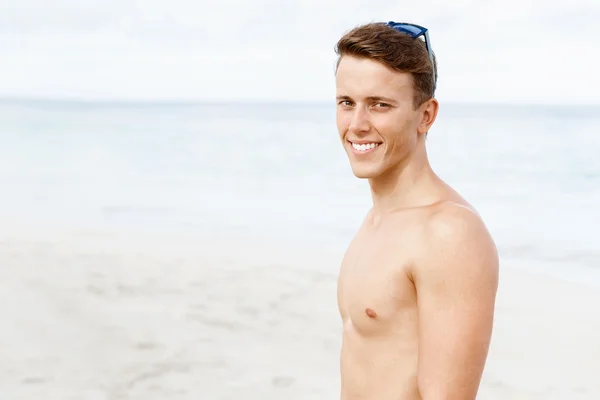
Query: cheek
<point x="342" y="123"/>
<point x="398" y="125"/>
<point x="397" y="134"/>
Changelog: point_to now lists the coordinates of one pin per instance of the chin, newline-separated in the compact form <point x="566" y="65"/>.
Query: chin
<point x="364" y="172"/>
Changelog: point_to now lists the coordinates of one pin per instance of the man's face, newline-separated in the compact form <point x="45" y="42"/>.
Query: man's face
<point x="375" y="116"/>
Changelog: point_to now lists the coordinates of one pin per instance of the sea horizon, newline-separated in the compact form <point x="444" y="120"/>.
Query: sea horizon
<point x="66" y="100"/>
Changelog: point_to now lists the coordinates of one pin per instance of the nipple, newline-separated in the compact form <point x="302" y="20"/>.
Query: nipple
<point x="371" y="313"/>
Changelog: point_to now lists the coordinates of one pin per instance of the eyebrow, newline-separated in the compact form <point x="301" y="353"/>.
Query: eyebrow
<point x="370" y="98"/>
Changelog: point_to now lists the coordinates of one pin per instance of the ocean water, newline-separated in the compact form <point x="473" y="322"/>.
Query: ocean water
<point x="278" y="171"/>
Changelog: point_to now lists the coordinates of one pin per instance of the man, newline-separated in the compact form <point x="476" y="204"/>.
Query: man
<point x="417" y="285"/>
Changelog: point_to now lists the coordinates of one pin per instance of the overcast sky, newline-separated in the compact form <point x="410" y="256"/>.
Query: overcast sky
<point x="525" y="51"/>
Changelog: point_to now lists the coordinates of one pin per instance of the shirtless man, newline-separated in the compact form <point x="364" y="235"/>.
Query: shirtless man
<point x="417" y="285"/>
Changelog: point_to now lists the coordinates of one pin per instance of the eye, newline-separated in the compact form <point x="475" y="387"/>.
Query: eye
<point x="382" y="105"/>
<point x="346" y="103"/>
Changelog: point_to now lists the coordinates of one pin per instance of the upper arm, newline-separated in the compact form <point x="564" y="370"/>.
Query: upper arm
<point x="456" y="280"/>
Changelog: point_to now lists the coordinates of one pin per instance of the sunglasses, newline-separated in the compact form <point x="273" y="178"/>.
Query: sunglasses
<point x="415" y="31"/>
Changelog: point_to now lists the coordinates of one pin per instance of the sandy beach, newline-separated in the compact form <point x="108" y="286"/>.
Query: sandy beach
<point x="129" y="315"/>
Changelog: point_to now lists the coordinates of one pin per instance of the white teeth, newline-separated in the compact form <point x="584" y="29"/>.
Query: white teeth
<point x="364" y="147"/>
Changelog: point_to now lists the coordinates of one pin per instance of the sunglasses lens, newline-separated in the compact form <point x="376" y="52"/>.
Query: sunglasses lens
<point x="410" y="29"/>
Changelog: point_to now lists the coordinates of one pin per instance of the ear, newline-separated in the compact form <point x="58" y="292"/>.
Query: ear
<point x="428" y="112"/>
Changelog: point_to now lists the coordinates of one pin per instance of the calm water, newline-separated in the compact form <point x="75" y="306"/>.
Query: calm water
<point x="279" y="171"/>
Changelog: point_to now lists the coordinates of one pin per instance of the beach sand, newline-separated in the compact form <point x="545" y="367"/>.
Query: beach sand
<point x="129" y="315"/>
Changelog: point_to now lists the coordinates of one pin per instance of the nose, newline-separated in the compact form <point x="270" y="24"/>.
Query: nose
<point x="360" y="121"/>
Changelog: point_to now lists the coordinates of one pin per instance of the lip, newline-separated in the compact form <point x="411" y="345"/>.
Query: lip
<point x="360" y="153"/>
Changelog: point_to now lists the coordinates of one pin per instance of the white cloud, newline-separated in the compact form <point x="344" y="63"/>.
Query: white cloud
<point x="525" y="51"/>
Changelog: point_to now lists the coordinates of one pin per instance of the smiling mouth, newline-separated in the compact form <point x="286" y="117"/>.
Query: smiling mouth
<point x="364" y="147"/>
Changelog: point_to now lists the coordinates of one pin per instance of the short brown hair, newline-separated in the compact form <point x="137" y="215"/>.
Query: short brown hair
<point x="379" y="42"/>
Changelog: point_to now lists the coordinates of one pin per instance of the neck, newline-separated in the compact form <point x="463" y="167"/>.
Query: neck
<point x="407" y="185"/>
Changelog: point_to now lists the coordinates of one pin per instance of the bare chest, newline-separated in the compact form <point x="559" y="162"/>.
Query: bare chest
<point x="375" y="294"/>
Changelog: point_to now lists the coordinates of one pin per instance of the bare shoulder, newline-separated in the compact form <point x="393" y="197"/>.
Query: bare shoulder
<point x="455" y="273"/>
<point x="454" y="238"/>
<point x="454" y="223"/>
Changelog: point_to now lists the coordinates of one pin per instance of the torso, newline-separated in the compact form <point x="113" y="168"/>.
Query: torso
<point x="378" y="305"/>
